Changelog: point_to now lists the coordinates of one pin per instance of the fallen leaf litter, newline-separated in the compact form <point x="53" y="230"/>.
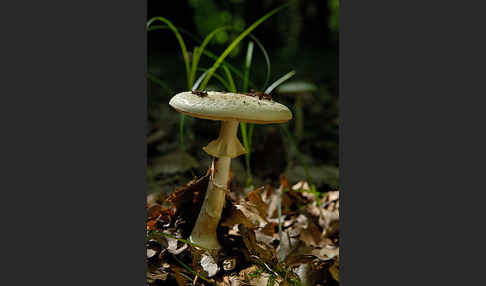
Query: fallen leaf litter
<point x="249" y="234"/>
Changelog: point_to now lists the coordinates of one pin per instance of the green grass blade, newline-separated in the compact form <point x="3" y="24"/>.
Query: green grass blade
<point x="198" y="81"/>
<point x="216" y="76"/>
<point x="228" y="50"/>
<point x="185" y="55"/>
<point x="279" y="81"/>
<point x="233" y="69"/>
<point x="198" y="51"/>
<point x="154" y="232"/>
<point x="249" y="56"/>
<point x="243" y="134"/>
<point x="238" y="72"/>
<point x="267" y="59"/>
<point x="157" y="27"/>
<point x="271" y="280"/>
<point x="296" y="282"/>
<point x="230" y="80"/>
<point x="159" y="82"/>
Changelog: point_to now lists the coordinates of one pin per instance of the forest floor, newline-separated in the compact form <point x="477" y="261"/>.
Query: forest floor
<point x="285" y="235"/>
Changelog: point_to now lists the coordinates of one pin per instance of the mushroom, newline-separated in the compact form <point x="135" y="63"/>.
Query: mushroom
<point x="230" y="109"/>
<point x="300" y="89"/>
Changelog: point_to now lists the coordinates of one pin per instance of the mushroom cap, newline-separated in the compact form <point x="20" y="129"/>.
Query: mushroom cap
<point x="296" y="87"/>
<point x="230" y="106"/>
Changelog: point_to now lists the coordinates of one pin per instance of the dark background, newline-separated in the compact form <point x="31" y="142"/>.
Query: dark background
<point x="302" y="37"/>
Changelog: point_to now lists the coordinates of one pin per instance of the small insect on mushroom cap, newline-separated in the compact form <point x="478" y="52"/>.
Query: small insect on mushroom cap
<point x="259" y="94"/>
<point x="199" y="93"/>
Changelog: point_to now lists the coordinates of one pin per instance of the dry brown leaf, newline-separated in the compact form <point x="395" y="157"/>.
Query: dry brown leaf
<point x="334" y="269"/>
<point x="255" y="198"/>
<point x="301" y="186"/>
<point x="235" y="281"/>
<point x="302" y="251"/>
<point x="270" y="228"/>
<point x="156" y="274"/>
<point x="250" y="212"/>
<point x="288" y="244"/>
<point x="272" y="202"/>
<point x="233" y="216"/>
<point x="261" y="237"/>
<point x="291" y="201"/>
<point x="267" y="193"/>
<point x="244" y="212"/>
<point x="328" y="219"/>
<point x="313" y="210"/>
<point x="246" y="275"/>
<point x="181" y="281"/>
<point x="187" y="201"/>
<point x="325" y="253"/>
<point x="296" y="199"/>
<point x="327" y="216"/>
<point x="151" y="253"/>
<point x="154" y="211"/>
<point x="254" y="277"/>
<point x="225" y="282"/>
<point x="151" y="224"/>
<point x="298" y="256"/>
<point x="311" y="234"/>
<point x="158" y="216"/>
<point x="272" y="210"/>
<point x="152" y="199"/>
<point x="332" y="196"/>
<point x="295" y="225"/>
<point x="263" y="251"/>
<point x="192" y="192"/>
<point x="307" y="273"/>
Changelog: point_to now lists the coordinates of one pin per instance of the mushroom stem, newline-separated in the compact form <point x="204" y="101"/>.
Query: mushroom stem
<point x="227" y="144"/>
<point x="204" y="231"/>
<point x="221" y="176"/>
